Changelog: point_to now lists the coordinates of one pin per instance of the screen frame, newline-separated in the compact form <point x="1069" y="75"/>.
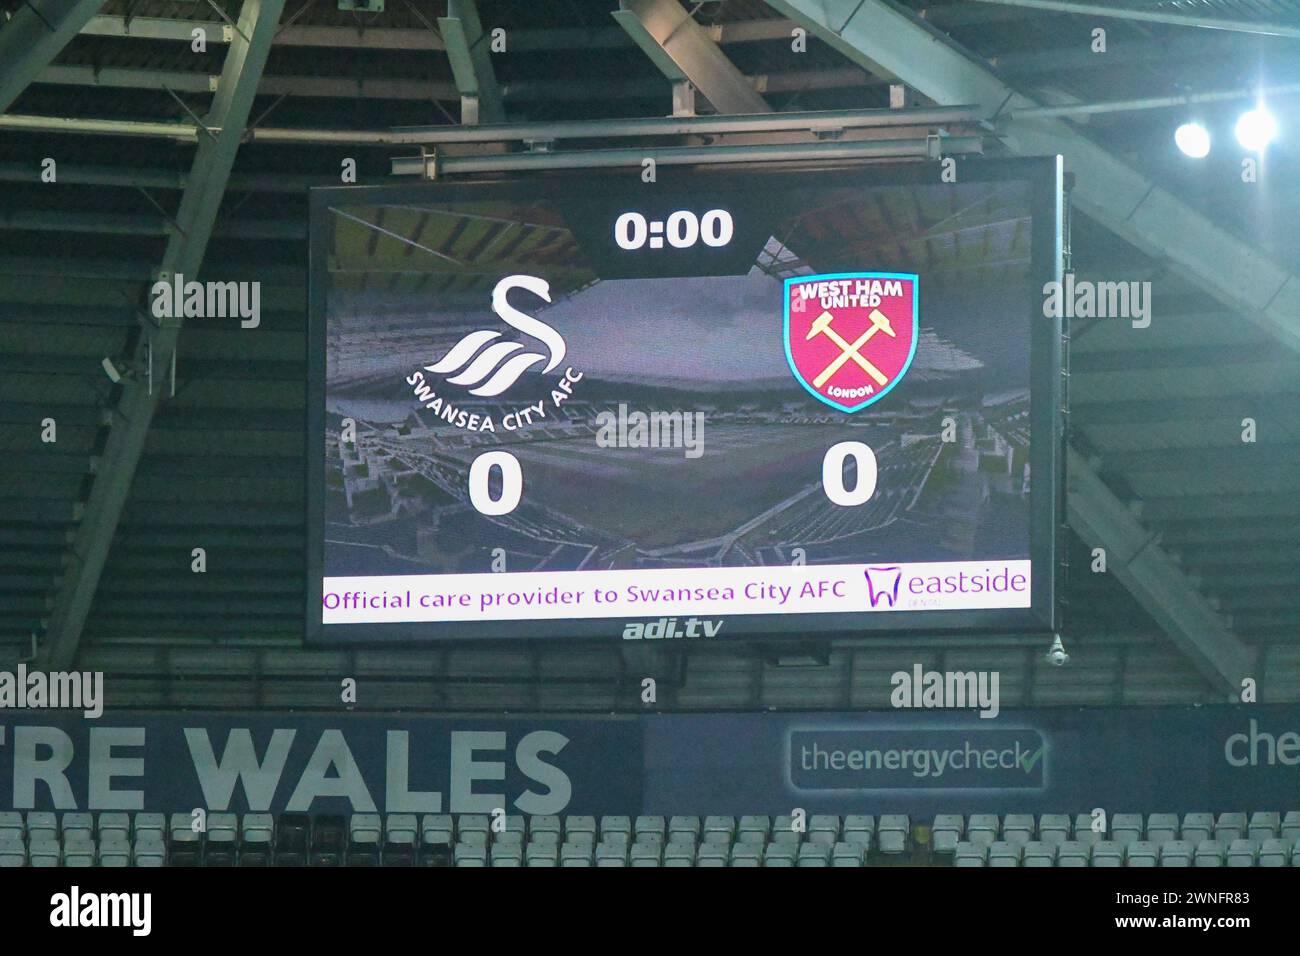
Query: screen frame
<point x="1045" y="178"/>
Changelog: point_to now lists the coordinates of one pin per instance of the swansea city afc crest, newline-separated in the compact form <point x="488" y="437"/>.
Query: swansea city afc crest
<point x="850" y="337"/>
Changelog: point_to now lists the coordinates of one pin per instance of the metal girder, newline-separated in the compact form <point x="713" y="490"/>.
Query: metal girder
<point x="1138" y="562"/>
<point x="1106" y="188"/>
<point x="184" y="254"/>
<point x="471" y="64"/>
<point x="684" y="51"/>
<point x="34" y="37"/>
<point x="1154" y="16"/>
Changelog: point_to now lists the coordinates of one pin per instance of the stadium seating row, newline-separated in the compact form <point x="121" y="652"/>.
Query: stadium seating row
<point x="1240" y="852"/>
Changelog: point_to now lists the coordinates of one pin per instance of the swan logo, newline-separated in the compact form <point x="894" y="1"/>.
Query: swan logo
<point x="496" y="368"/>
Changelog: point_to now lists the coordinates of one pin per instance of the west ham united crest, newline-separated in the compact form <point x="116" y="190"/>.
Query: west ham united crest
<point x="850" y="336"/>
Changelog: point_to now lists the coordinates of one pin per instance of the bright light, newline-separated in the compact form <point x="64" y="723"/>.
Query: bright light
<point x="1193" y="139"/>
<point x="1256" y="129"/>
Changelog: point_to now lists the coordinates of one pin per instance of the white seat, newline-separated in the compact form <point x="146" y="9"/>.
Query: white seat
<point x="611" y="853"/>
<point x="79" y="849"/>
<point x="679" y="854"/>
<point x="1083" y="831"/>
<point x="814" y="854"/>
<point x="891" y="834"/>
<point x="1263" y="825"/>
<point x="858" y="828"/>
<point x="513" y="829"/>
<point x="1242" y="852"/>
<point x="542" y="854"/>
<point x="1290" y="831"/>
<point x="114" y="850"/>
<point x="13" y="851"/>
<point x="580" y="829"/>
<point x="42" y="825"/>
<point x="400" y="828"/>
<point x="1162" y="827"/>
<point x="576" y="854"/>
<point x="437" y="829"/>
<point x="1107" y="853"/>
<point x="970" y="854"/>
<point x="612" y="825"/>
<point x="148" y="849"/>
<point x="1018" y="828"/>
<point x="1177" y="853"/>
<point x="1005" y="853"/>
<point x="257" y="827"/>
<point x="1229" y="827"/>
<point x="947" y="832"/>
<point x="1209" y="853"/>
<point x="1126" y="827"/>
<point x="824" y="828"/>
<point x="507" y="854"/>
<point x="783" y="830"/>
<point x="847" y="854"/>
<point x="470" y="854"/>
<point x="1274" y="852"/>
<point x="12" y="825"/>
<point x="544" y="829"/>
<point x="649" y="829"/>
<point x="148" y="823"/>
<point x="983" y="828"/>
<point x="1039" y="853"/>
<point x="1197" y="827"/>
<point x="753" y="829"/>
<point x="1142" y="853"/>
<point x="747" y="855"/>
<point x="719" y="829"/>
<point x="1053" y="828"/>
<point x="180" y="828"/>
<point x="473" y="828"/>
<point x="780" y="854"/>
<point x="76" y="825"/>
<point x="713" y="854"/>
<point x="1073" y="853"/>
<point x="647" y="854"/>
<point x="42" y="851"/>
<point x="684" y="830"/>
<point x="223" y="827"/>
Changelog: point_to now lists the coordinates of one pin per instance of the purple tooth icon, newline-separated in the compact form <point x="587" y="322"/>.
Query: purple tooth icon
<point x="884" y="584"/>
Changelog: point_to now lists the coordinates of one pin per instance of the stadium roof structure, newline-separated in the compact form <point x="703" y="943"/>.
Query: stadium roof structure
<point x="128" y="147"/>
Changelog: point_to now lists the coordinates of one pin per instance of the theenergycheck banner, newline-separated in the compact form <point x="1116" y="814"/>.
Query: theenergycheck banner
<point x="920" y="763"/>
<point x="842" y="588"/>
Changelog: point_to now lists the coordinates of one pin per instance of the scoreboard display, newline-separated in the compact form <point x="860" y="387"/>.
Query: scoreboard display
<point x="728" y="402"/>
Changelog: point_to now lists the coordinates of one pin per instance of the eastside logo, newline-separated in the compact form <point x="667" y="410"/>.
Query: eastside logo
<point x="491" y="371"/>
<point x="850" y="336"/>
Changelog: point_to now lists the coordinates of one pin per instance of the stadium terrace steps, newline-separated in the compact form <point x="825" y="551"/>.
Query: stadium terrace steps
<point x="115" y="839"/>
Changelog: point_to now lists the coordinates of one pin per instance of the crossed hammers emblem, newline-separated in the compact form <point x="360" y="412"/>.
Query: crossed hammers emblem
<point x="849" y="350"/>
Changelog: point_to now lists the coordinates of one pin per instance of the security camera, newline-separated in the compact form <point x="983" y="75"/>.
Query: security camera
<point x="1056" y="655"/>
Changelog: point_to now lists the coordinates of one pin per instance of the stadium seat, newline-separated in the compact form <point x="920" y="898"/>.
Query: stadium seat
<point x="1197" y="827"/>
<point x="42" y="851"/>
<point x="713" y="854"/>
<point x="257" y="828"/>
<point x="718" y="829"/>
<point x="970" y="854"/>
<point x="471" y="854"/>
<point x="616" y="826"/>
<point x="1126" y="827"/>
<point x="1263" y="825"/>
<point x="1290" y="831"/>
<point x="679" y="854"/>
<point x="947" y="832"/>
<point x="1229" y="827"/>
<point x="1108" y="853"/>
<point x="753" y="829"/>
<point x="13" y="852"/>
<point x="1038" y="853"/>
<point x="222" y="843"/>
<point x="783" y="830"/>
<point x="847" y="854"/>
<point x="329" y="841"/>
<point x="647" y="854"/>
<point x="580" y="829"/>
<point x="747" y="855"/>
<point x="544" y="829"/>
<point x="512" y="829"/>
<point x="1083" y="831"/>
<point x="859" y="828"/>
<point x="612" y="852"/>
<point x="576" y="854"/>
<point x="507" y="854"/>
<point x="983" y="828"/>
<point x="649" y="829"/>
<point x="1004" y="853"/>
<point x="1053" y="828"/>
<point x="114" y="850"/>
<point x="400" y="828"/>
<point x="1242" y="852"/>
<point x="148" y="823"/>
<point x="76" y="825"/>
<point x="1142" y="853"/>
<point x="824" y="828"/>
<point x="399" y="846"/>
<point x="780" y="854"/>
<point x="891" y="835"/>
<point x="542" y="854"/>
<point x="12" y="827"/>
<point x="1074" y="853"/>
<point x="1162" y="827"/>
<point x="148" y="849"/>
<point x="473" y="828"/>
<point x="1177" y="853"/>
<point x="437" y="829"/>
<point x="292" y="836"/>
<point x="1208" y="852"/>
<point x="41" y="826"/>
<point x="1018" y="828"/>
<point x="1274" y="852"/>
<point x="684" y="830"/>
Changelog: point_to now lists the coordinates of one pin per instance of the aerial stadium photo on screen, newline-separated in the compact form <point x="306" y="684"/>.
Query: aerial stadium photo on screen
<point x="602" y="403"/>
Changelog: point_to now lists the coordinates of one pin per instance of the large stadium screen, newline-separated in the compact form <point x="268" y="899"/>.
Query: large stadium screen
<point x="724" y="403"/>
